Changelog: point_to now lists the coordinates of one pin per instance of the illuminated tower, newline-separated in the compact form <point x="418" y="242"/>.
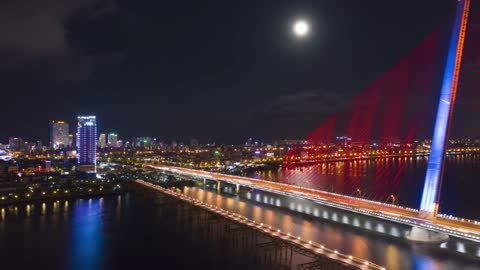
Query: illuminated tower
<point x="87" y="143"/>
<point x="102" y="141"/>
<point x="112" y="140"/>
<point x="434" y="175"/>
<point x="433" y="178"/>
<point x="59" y="134"/>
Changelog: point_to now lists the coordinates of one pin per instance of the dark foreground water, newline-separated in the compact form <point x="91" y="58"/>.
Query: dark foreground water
<point x="135" y="231"/>
<point x="131" y="231"/>
<point x="402" y="177"/>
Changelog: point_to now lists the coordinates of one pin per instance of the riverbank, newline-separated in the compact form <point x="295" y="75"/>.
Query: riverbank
<point x="59" y="197"/>
<point x="63" y="194"/>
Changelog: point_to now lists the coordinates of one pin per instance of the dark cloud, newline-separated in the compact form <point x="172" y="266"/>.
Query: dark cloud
<point x="317" y="104"/>
<point x="195" y="69"/>
<point x="34" y="40"/>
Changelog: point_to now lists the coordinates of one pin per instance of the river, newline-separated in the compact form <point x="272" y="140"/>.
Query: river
<point x="133" y="231"/>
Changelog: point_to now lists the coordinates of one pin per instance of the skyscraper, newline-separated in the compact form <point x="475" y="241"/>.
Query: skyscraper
<point x="102" y="141"/>
<point x="59" y="134"/>
<point x="16" y="144"/>
<point x="70" y="140"/>
<point x="87" y="143"/>
<point x="112" y="140"/>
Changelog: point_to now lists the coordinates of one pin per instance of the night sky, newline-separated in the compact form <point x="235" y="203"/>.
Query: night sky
<point x="212" y="70"/>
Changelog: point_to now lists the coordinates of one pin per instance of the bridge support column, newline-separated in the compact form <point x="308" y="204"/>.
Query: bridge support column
<point x="219" y="186"/>
<point x="436" y="162"/>
<point x="204" y="181"/>
<point x="237" y="188"/>
<point x="418" y="234"/>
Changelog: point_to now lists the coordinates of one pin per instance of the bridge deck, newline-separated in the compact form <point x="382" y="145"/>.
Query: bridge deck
<point x="457" y="227"/>
<point x="310" y="246"/>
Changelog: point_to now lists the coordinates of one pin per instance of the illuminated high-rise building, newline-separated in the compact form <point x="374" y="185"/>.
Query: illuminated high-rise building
<point x="112" y="140"/>
<point x="119" y="144"/>
<point x="102" y="143"/>
<point x="144" y="141"/>
<point x="87" y="143"/>
<point x="59" y="134"/>
<point x="16" y="144"/>
<point x="70" y="140"/>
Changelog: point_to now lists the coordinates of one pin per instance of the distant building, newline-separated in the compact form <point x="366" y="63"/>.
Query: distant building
<point x="144" y="141"/>
<point x="112" y="140"/>
<point x="70" y="140"/>
<point x="30" y="146"/>
<point x="87" y="143"/>
<point x="48" y="165"/>
<point x="193" y="142"/>
<point x="102" y="141"/>
<point x="16" y="144"/>
<point x="59" y="134"/>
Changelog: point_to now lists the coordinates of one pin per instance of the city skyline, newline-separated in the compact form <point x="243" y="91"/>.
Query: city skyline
<point x="111" y="139"/>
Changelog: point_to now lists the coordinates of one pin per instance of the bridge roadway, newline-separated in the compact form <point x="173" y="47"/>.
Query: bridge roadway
<point x="453" y="226"/>
<point x="315" y="248"/>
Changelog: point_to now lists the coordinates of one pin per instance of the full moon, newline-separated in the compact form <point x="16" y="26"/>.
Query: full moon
<point x="300" y="28"/>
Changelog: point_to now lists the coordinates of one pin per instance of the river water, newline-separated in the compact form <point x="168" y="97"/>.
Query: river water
<point x="393" y="253"/>
<point x="130" y="231"/>
<point x="134" y="231"/>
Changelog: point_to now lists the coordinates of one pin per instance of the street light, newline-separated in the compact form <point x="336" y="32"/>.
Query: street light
<point x="394" y="199"/>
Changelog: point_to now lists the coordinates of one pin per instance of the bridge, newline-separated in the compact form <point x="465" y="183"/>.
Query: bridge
<point x="382" y="111"/>
<point x="325" y="257"/>
<point x="444" y="225"/>
<point x="421" y="225"/>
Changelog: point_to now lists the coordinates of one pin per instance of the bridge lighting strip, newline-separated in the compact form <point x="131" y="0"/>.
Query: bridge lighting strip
<point x="310" y="245"/>
<point x="241" y="178"/>
<point x="404" y="220"/>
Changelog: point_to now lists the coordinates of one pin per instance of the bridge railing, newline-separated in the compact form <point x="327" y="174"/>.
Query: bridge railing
<point x="409" y="220"/>
<point x="314" y="247"/>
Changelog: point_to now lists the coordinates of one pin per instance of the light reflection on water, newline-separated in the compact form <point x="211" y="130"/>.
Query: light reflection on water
<point x="391" y="253"/>
<point x="86" y="236"/>
<point x="73" y="234"/>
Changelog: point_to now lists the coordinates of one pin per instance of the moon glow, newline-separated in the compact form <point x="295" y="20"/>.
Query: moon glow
<point x="301" y="28"/>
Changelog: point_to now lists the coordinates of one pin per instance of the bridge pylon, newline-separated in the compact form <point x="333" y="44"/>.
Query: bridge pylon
<point x="436" y="162"/>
